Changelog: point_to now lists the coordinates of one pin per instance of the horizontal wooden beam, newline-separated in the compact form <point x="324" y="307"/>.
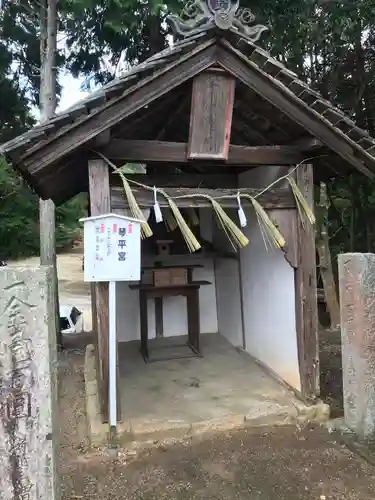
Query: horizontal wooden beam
<point x="176" y="152"/>
<point x="273" y="198"/>
<point x="182" y="180"/>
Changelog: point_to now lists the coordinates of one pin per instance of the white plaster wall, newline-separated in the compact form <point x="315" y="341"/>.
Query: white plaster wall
<point x="268" y="290"/>
<point x="229" y="300"/>
<point x="174" y="308"/>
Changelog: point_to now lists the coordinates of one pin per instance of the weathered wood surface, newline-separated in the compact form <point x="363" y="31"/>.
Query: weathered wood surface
<point x="180" y="180"/>
<point x="148" y="90"/>
<point x="306" y="294"/>
<point x="100" y="204"/>
<point x="273" y="198"/>
<point x="260" y="82"/>
<point x="28" y="391"/>
<point x="211" y="116"/>
<point x="47" y="235"/>
<point x="177" y="152"/>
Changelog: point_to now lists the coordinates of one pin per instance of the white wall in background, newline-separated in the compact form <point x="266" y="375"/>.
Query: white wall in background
<point x="229" y="300"/>
<point x="268" y="288"/>
<point x="174" y="308"/>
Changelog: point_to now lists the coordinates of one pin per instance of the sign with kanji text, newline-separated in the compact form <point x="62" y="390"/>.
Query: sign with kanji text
<point x="112" y="248"/>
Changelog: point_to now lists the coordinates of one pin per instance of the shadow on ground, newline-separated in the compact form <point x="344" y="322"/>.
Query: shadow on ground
<point x="331" y="371"/>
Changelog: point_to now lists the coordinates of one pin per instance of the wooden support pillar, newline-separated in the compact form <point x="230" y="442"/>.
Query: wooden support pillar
<point x="100" y="203"/>
<point x="306" y="293"/>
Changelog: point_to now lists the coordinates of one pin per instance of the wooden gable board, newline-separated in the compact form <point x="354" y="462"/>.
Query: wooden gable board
<point x="135" y="98"/>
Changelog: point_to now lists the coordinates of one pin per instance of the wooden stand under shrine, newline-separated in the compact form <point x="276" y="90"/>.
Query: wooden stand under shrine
<point x="170" y="281"/>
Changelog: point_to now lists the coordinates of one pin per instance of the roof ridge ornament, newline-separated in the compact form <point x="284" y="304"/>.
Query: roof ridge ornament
<point x="201" y="15"/>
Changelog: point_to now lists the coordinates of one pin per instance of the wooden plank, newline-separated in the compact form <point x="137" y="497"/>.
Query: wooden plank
<point x="132" y="100"/>
<point x="181" y="180"/>
<point x="100" y="204"/>
<point x="306" y="294"/>
<point x="211" y="116"/>
<point x="283" y="99"/>
<point x="177" y="152"/>
<point x="273" y="198"/>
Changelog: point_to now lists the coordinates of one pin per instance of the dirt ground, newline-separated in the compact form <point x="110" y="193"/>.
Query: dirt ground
<point x="262" y="464"/>
<point x="72" y="289"/>
<point x="331" y="371"/>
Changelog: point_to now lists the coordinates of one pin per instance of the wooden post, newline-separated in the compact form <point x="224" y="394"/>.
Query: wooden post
<point x="47" y="100"/>
<point x="100" y="203"/>
<point x="306" y="293"/>
<point x="28" y="391"/>
<point x="325" y="259"/>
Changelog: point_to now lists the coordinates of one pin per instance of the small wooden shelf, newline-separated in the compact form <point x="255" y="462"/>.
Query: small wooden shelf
<point x="171" y="287"/>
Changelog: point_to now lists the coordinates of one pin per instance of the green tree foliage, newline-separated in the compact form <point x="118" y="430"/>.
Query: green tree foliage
<point x="100" y="36"/>
<point x="329" y="43"/>
<point x="19" y="81"/>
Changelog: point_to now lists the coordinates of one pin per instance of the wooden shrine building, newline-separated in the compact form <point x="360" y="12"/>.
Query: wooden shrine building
<point x="213" y="115"/>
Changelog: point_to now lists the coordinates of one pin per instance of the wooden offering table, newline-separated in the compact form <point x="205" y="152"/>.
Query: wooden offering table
<point x="190" y="290"/>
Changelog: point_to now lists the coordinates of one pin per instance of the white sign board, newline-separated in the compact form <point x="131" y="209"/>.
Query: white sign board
<point x="112" y="248"/>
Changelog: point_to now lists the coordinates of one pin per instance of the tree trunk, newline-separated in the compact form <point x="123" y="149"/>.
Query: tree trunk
<point x="47" y="106"/>
<point x="325" y="260"/>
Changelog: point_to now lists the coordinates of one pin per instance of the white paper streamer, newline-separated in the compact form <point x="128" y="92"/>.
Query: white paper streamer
<point x="241" y="213"/>
<point x="157" y="211"/>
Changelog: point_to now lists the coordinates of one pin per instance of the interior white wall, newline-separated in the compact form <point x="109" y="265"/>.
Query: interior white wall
<point x="174" y="308"/>
<point x="228" y="299"/>
<point x="268" y="293"/>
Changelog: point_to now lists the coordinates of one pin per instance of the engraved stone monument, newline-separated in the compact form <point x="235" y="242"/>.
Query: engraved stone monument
<point x="357" y="306"/>
<point x="28" y="391"/>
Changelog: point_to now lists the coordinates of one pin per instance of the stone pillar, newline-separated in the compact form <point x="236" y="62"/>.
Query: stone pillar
<point x="357" y="310"/>
<point x="28" y="391"/>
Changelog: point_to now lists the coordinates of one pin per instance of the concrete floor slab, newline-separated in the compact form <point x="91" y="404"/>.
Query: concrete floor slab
<point x="224" y="388"/>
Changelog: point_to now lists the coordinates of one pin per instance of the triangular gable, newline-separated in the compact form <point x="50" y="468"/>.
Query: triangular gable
<point x="37" y="152"/>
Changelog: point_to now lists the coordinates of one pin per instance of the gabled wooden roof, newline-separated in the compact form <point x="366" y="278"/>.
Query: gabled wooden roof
<point x="52" y="157"/>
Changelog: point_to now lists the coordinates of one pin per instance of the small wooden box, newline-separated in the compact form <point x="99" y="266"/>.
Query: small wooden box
<point x="164" y="247"/>
<point x="170" y="277"/>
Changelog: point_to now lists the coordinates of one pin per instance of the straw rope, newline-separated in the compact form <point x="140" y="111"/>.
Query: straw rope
<point x="173" y="217"/>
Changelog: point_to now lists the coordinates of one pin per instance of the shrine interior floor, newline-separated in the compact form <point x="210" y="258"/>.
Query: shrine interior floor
<point x="223" y="389"/>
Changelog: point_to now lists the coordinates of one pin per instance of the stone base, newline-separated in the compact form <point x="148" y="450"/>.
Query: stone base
<point x="149" y="430"/>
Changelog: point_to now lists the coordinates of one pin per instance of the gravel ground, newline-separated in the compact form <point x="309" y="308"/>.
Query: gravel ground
<point x="254" y="465"/>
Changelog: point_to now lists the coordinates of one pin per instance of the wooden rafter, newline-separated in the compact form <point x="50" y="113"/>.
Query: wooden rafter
<point x="112" y="113"/>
